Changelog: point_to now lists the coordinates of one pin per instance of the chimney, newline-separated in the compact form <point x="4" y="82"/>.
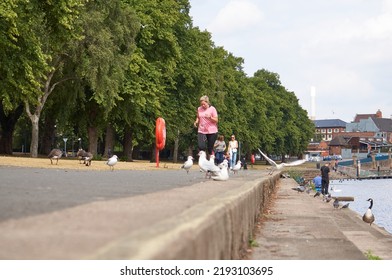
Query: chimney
<point x="379" y="114"/>
<point x="313" y="103"/>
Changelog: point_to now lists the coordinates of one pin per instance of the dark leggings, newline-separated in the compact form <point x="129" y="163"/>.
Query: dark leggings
<point x="206" y="142"/>
<point x="324" y="186"/>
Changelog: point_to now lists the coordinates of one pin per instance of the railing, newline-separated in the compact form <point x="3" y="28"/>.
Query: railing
<point x="352" y="172"/>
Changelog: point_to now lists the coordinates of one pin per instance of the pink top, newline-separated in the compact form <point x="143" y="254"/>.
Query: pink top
<point x="206" y="125"/>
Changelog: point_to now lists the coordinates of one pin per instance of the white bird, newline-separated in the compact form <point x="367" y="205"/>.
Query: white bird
<point x="280" y="166"/>
<point x="55" y="154"/>
<point x="223" y="175"/>
<point x="207" y="166"/>
<point x="333" y="189"/>
<point x="112" y="162"/>
<point x="368" y="217"/>
<point x="188" y="164"/>
<point x="237" y="167"/>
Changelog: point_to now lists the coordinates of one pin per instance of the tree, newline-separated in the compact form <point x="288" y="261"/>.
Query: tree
<point x="49" y="29"/>
<point x="152" y="69"/>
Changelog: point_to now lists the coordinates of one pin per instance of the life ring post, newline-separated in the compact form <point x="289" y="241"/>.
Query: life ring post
<point x="160" y="137"/>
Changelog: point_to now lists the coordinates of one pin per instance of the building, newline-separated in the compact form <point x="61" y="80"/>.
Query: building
<point x="360" y="143"/>
<point x="381" y="127"/>
<point x="329" y="128"/>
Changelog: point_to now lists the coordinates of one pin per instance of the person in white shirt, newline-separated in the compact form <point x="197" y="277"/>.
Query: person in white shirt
<point x="233" y="148"/>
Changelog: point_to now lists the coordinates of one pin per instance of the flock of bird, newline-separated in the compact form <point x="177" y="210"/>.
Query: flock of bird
<point x="368" y="217"/>
<point x="218" y="172"/>
<point x="221" y="173"/>
<point x="82" y="155"/>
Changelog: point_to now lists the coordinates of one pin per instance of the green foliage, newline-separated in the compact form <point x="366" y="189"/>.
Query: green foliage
<point x="370" y="256"/>
<point x="126" y="62"/>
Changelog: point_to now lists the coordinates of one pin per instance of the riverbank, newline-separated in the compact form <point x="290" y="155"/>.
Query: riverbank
<point x="299" y="226"/>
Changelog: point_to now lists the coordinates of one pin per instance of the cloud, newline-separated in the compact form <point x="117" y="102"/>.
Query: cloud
<point x="237" y="15"/>
<point x="342" y="47"/>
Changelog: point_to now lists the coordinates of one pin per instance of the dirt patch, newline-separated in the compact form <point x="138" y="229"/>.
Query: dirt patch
<point x="73" y="163"/>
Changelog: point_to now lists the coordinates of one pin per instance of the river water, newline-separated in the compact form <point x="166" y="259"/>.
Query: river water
<point x="380" y="190"/>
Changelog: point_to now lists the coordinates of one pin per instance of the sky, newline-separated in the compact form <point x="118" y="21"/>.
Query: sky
<point x="342" y="49"/>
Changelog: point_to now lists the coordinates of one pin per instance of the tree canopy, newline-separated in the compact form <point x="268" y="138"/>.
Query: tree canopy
<point x="103" y="71"/>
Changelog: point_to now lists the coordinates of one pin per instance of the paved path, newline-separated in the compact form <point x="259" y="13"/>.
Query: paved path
<point x="32" y="191"/>
<point x="68" y="214"/>
<point x="301" y="227"/>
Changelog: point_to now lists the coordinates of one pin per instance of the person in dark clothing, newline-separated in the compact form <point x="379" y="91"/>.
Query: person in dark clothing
<point x="324" y="178"/>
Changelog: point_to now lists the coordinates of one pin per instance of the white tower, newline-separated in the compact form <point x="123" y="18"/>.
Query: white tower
<point x="313" y="103"/>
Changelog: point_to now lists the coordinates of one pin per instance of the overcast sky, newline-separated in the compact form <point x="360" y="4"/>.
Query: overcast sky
<point x="342" y="48"/>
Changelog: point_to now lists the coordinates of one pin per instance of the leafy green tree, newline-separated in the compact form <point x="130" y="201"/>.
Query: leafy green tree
<point x="21" y="62"/>
<point x="152" y="69"/>
<point x="46" y="29"/>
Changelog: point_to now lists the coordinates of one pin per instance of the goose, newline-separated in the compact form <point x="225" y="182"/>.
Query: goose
<point x="280" y="166"/>
<point x="188" y="164"/>
<point x="55" y="154"/>
<point x="368" y="217"/>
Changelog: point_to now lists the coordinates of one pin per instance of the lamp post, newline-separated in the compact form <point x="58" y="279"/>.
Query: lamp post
<point x="65" y="145"/>
<point x="80" y="143"/>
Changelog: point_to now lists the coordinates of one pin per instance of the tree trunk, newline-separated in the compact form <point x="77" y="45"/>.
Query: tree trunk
<point x="109" y="141"/>
<point x="93" y="140"/>
<point x="176" y="144"/>
<point x="47" y="141"/>
<point x="283" y="158"/>
<point x="34" y="135"/>
<point x="7" y="127"/>
<point x="127" y="143"/>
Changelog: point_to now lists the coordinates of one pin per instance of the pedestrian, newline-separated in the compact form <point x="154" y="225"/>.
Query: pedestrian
<point x="233" y="148"/>
<point x="325" y="178"/>
<point x="336" y="165"/>
<point x="207" y="124"/>
<point x="317" y="183"/>
<point x="219" y="149"/>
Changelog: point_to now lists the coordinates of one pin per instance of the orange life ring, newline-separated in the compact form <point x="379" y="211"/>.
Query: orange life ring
<point x="160" y="133"/>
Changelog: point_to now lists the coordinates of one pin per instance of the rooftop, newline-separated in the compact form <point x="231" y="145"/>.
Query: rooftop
<point x="329" y="123"/>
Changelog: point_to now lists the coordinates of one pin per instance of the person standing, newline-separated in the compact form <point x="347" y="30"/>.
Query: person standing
<point x="219" y="148"/>
<point x="325" y="178"/>
<point x="207" y="124"/>
<point x="233" y="148"/>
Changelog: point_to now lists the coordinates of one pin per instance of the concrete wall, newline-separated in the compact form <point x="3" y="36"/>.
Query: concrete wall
<point x="221" y="227"/>
<point x="217" y="229"/>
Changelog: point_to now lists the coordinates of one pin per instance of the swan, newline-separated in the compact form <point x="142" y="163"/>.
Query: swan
<point x="368" y="217"/>
<point x="280" y="166"/>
